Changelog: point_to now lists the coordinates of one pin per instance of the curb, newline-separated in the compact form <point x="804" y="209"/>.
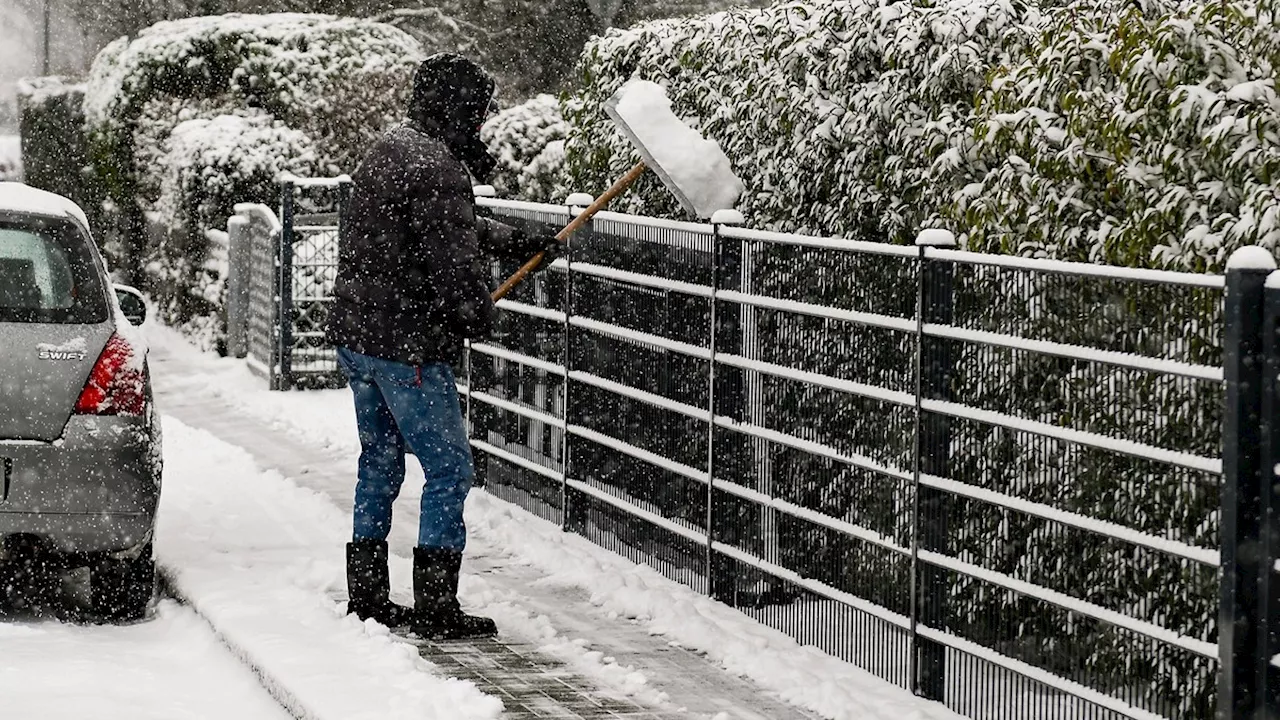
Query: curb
<point x="166" y="582"/>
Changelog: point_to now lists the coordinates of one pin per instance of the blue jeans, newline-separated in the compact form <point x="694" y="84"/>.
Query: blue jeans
<point x="409" y="408"/>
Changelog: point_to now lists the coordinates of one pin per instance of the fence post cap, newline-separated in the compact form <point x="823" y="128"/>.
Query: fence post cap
<point x="1251" y="257"/>
<point x="264" y="212"/>
<point x="935" y="237"/>
<point x="728" y="216"/>
<point x="484" y="191"/>
<point x="579" y="200"/>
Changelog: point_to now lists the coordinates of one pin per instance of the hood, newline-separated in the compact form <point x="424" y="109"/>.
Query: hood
<point x="451" y="100"/>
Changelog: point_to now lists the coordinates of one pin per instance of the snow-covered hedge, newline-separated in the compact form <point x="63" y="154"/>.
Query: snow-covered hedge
<point x="829" y="110"/>
<point x="340" y="80"/>
<point x="1133" y="133"/>
<point x="543" y="178"/>
<point x="191" y="116"/>
<point x="55" y="151"/>
<point x="1130" y="136"/>
<point x="209" y="165"/>
<point x="212" y="164"/>
<point x="519" y="138"/>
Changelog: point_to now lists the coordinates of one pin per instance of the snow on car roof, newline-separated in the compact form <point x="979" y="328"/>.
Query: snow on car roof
<point x="19" y="197"/>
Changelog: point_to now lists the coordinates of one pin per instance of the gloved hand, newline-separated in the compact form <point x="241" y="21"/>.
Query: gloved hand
<point x="549" y="246"/>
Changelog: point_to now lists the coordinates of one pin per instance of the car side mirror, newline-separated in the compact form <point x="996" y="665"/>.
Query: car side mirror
<point x="132" y="304"/>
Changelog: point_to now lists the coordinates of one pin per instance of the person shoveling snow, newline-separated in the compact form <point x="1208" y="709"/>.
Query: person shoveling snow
<point x="410" y="290"/>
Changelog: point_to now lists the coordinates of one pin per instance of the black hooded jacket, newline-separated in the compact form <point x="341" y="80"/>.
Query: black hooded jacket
<point x="412" y="276"/>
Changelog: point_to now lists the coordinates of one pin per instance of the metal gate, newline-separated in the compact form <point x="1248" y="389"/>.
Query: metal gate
<point x="310" y="214"/>
<point x="280" y="288"/>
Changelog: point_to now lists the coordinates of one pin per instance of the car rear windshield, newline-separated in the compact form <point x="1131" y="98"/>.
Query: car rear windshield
<point x="48" y="272"/>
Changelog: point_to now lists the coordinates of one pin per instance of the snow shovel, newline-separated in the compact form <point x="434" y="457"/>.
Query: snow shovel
<point x="693" y="168"/>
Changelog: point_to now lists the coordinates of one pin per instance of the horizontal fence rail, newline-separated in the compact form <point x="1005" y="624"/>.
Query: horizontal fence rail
<point x="991" y="480"/>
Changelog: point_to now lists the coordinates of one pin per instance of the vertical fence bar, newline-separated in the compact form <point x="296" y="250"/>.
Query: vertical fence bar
<point x="285" y="288"/>
<point x="1268" y="677"/>
<point x="754" y="410"/>
<point x="480" y="460"/>
<point x="913" y="660"/>
<point x="344" y="203"/>
<point x="1242" y="553"/>
<point x="930" y="527"/>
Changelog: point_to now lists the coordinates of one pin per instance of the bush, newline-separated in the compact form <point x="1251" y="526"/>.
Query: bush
<point x="342" y="81"/>
<point x="1142" y="134"/>
<point x="191" y="116"/>
<point x="518" y="137"/>
<point x="209" y="166"/>
<point x="55" y="153"/>
<point x="830" y="111"/>
<point x="543" y="178"/>
<point x="1133" y="135"/>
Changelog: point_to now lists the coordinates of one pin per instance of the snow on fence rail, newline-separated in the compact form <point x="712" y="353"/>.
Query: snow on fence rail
<point x="930" y="462"/>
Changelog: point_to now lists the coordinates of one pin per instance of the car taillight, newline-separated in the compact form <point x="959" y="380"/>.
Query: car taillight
<point x="116" y="385"/>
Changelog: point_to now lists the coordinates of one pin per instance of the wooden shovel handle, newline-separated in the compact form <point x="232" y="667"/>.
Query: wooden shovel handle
<point x="618" y="188"/>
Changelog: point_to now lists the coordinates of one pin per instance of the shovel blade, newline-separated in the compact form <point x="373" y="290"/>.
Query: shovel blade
<point x="694" y="169"/>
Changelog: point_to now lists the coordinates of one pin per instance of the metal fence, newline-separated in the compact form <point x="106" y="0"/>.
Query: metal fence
<point x="995" y="481"/>
<point x="992" y="480"/>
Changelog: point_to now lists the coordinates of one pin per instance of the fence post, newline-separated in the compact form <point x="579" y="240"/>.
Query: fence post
<point x="284" y="288"/>
<point x="239" y="269"/>
<point x="1268" y="677"/>
<point x="1241" y="514"/>
<point x="574" y="510"/>
<point x="935" y="305"/>
<point x="344" y="201"/>
<point x="479" y="459"/>
<point x="719" y="570"/>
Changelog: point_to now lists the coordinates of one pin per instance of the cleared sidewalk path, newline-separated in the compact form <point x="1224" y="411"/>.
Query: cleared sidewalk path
<point x="560" y="656"/>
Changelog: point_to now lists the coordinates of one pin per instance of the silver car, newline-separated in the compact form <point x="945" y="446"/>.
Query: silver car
<point x="80" y="456"/>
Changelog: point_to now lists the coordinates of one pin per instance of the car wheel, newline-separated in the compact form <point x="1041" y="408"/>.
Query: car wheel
<point x="121" y="589"/>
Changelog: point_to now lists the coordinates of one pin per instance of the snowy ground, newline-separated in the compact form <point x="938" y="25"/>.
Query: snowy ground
<point x="258" y="556"/>
<point x="167" y="668"/>
<point x="608" y="618"/>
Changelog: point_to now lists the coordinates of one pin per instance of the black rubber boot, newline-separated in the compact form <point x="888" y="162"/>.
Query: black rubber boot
<point x="437" y="614"/>
<point x="368" y="586"/>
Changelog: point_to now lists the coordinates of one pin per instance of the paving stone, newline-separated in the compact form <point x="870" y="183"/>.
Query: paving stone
<point x="532" y="685"/>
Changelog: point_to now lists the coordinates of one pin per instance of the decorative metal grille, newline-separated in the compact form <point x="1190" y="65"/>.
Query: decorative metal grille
<point x="308" y="263"/>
